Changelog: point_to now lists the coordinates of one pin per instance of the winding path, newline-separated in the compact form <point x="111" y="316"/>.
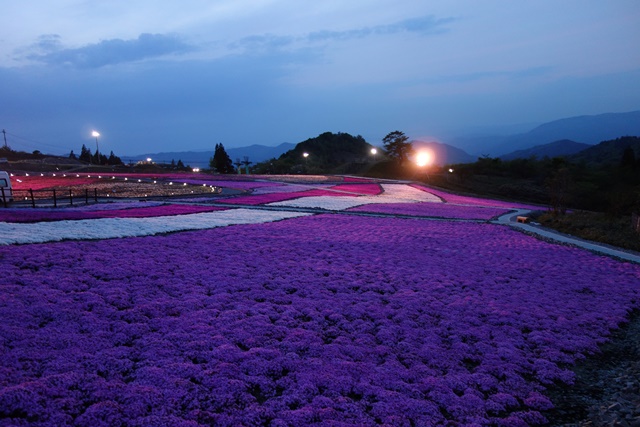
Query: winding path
<point x="510" y="219"/>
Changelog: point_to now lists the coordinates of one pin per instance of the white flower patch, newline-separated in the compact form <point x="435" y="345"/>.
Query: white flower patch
<point x="109" y="228"/>
<point x="393" y="193"/>
<point x="400" y="192"/>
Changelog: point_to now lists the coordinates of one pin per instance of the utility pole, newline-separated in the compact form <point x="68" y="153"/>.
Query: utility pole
<point x="4" y="133"/>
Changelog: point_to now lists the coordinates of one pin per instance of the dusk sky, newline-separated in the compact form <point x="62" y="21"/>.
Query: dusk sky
<point x="184" y="75"/>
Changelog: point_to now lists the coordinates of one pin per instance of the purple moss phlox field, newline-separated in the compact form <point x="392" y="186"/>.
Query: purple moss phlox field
<point x="455" y="198"/>
<point x="35" y="215"/>
<point x="261" y="199"/>
<point x="329" y="321"/>
<point x="438" y="210"/>
<point x="369" y="189"/>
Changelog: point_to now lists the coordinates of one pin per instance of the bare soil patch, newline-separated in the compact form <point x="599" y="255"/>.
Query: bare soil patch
<point x="607" y="387"/>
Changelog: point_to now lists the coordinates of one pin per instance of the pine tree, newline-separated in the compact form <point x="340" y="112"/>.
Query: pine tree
<point x="114" y="160"/>
<point x="221" y="162"/>
<point x="85" y="154"/>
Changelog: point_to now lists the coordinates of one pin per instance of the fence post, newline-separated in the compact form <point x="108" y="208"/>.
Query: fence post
<point x="86" y="196"/>
<point x="55" y="201"/>
<point x="33" y="201"/>
<point x="4" y="199"/>
<point x="95" y="195"/>
<point x="70" y="197"/>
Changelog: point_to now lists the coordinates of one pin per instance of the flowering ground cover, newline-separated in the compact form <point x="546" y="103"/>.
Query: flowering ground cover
<point x="265" y="198"/>
<point x="41" y="182"/>
<point x="327" y="320"/>
<point x="355" y="189"/>
<point x="393" y="193"/>
<point x="110" y="228"/>
<point x="476" y="201"/>
<point x="266" y="317"/>
<point x="368" y="188"/>
<point x="437" y="210"/>
<point x="53" y="214"/>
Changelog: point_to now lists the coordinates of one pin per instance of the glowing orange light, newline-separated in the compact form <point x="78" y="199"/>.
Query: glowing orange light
<point x="424" y="158"/>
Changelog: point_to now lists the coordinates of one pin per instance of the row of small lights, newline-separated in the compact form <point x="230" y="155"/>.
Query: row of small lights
<point x="113" y="177"/>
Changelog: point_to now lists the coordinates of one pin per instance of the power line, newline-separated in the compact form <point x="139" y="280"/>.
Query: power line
<point x="39" y="143"/>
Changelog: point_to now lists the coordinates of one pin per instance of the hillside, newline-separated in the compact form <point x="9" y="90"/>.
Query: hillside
<point x="563" y="147"/>
<point x="607" y="152"/>
<point x="327" y="153"/>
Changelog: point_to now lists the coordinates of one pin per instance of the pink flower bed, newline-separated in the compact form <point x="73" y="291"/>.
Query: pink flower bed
<point x="36" y="215"/>
<point x="357" y="179"/>
<point x="368" y="189"/>
<point x="438" y="210"/>
<point x="200" y="179"/>
<point x="329" y="321"/>
<point x="454" y="198"/>
<point x="37" y="182"/>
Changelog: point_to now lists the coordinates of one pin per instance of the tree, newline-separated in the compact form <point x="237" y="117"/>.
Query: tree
<point x="72" y="155"/>
<point x="114" y="160"/>
<point x="221" y="162"/>
<point x="85" y="154"/>
<point x="397" y="147"/>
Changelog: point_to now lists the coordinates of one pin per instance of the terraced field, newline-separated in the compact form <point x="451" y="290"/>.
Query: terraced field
<point x="329" y="301"/>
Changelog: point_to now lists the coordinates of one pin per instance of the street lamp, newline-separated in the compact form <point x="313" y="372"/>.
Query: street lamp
<point x="96" y="135"/>
<point x="305" y="155"/>
<point x="374" y="151"/>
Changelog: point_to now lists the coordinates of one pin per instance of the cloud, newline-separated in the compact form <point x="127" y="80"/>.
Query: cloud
<point x="49" y="50"/>
<point x="426" y="25"/>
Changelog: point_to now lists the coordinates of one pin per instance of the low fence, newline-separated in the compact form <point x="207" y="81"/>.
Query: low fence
<point x="51" y="197"/>
<point x="70" y="196"/>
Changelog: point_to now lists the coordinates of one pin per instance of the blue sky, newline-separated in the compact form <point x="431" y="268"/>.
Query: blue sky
<point x="184" y="75"/>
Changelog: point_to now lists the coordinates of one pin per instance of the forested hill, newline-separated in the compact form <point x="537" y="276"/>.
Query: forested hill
<point x="326" y="153"/>
<point x="331" y="149"/>
<point x="608" y="152"/>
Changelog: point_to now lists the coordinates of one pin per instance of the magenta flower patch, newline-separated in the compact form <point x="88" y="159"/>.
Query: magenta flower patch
<point x="261" y="199"/>
<point x="35" y="215"/>
<point x="477" y="201"/>
<point x="437" y="210"/>
<point x="327" y="320"/>
<point x="365" y="189"/>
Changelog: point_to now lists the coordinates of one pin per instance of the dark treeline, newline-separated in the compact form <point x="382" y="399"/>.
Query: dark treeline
<point x="96" y="158"/>
<point x="608" y="183"/>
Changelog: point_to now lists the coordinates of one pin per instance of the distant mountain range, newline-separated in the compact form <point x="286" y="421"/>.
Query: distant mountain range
<point x="256" y="153"/>
<point x="583" y="129"/>
<point x="564" y="147"/>
<point x="557" y="138"/>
